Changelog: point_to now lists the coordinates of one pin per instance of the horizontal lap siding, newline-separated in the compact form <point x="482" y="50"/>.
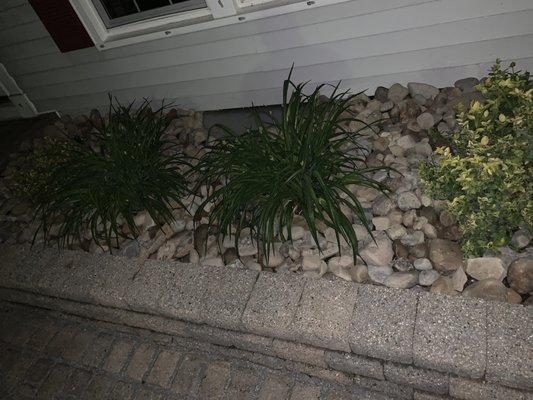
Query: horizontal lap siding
<point x="363" y="42"/>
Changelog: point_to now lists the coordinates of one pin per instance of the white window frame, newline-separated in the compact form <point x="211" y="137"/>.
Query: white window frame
<point x="217" y="13"/>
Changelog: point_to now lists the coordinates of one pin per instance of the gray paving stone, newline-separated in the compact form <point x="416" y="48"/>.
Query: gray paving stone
<point x="76" y="383"/>
<point x="324" y="314"/>
<point x="305" y="391"/>
<point x="272" y="304"/>
<point x="99" y="387"/>
<point x="215" y="380"/>
<point x="430" y="381"/>
<point x="98" y="351"/>
<point x="122" y="391"/>
<point x="509" y="341"/>
<point x="163" y="369"/>
<point x="187" y="379"/>
<point x="450" y="335"/>
<point x="467" y="389"/>
<point x="53" y="384"/>
<point x="419" y="395"/>
<point x="354" y="364"/>
<point x="243" y="385"/>
<point x="383" y="323"/>
<point x="147" y="394"/>
<point x="388" y="388"/>
<point x="275" y="388"/>
<point x="140" y="361"/>
<point x="116" y="360"/>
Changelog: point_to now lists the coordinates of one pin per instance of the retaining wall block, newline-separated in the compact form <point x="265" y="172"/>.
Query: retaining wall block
<point x="450" y="335"/>
<point x="323" y="317"/>
<point x="383" y="323"/>
<point x="429" y="381"/>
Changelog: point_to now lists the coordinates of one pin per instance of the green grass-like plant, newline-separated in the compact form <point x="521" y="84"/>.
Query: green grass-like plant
<point x="129" y="167"/>
<point x="295" y="165"/>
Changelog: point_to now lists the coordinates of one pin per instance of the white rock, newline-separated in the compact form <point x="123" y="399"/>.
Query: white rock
<point x="378" y="253"/>
<point x="412" y="239"/>
<point x="422" y="264"/>
<point x="402" y="280"/>
<point x="396" y="231"/>
<point x="406" y="142"/>
<point x="317" y="273"/>
<point x="422" y="89"/>
<point x="485" y="268"/>
<point x="340" y="266"/>
<point x="408" y="201"/>
<point x="380" y="223"/>
<point x="427" y="278"/>
<point x="311" y="262"/>
<point x="379" y="274"/>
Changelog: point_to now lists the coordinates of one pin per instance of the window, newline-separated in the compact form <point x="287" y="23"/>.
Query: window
<point x="121" y="12"/>
<point x="114" y="23"/>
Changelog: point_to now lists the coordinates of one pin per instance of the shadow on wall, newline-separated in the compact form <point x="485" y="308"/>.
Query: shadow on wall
<point x="237" y="119"/>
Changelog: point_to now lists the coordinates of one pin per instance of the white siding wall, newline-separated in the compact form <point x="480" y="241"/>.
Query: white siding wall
<point x="364" y="43"/>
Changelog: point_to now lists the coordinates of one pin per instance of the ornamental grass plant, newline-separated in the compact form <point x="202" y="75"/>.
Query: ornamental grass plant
<point x="301" y="163"/>
<point x="93" y="184"/>
<point x="486" y="173"/>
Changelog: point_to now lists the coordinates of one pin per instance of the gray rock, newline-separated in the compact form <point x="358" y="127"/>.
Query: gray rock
<point x="379" y="274"/>
<point x="445" y="255"/>
<point x="485" y="267"/>
<point x="487" y="289"/>
<point x="130" y="249"/>
<point x="520" y="275"/>
<point x="359" y="273"/>
<point x="459" y="279"/>
<point x="378" y="252"/>
<point x="467" y="85"/>
<point x="446" y="218"/>
<point x="408" y="201"/>
<point x="381" y="94"/>
<point x="427" y="278"/>
<point x="425" y="120"/>
<point x="402" y="265"/>
<point x="396" y="231"/>
<point x="402" y="280"/>
<point x="412" y="239"/>
<point x="397" y="93"/>
<point x="340" y="266"/>
<point x="443" y="285"/>
<point x="422" y="89"/>
<point x="422" y="264"/>
<point x="521" y="239"/>
<point x="382" y="206"/>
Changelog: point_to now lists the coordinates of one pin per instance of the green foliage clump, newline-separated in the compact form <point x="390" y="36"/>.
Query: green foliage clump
<point x="486" y="174"/>
<point x="96" y="182"/>
<point x="297" y="164"/>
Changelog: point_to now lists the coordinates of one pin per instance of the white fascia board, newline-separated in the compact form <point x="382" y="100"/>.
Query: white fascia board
<point x="105" y="38"/>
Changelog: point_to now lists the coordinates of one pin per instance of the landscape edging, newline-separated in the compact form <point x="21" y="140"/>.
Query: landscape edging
<point x="335" y="325"/>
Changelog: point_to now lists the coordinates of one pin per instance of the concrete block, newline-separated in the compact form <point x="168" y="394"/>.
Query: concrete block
<point x="383" y="323"/>
<point x="354" y="364"/>
<point x="467" y="389"/>
<point x="419" y="395"/>
<point x="209" y="295"/>
<point x="273" y="304"/>
<point x="324" y="314"/>
<point x="510" y="345"/>
<point x="430" y="381"/>
<point x="450" y="335"/>
<point x="388" y="388"/>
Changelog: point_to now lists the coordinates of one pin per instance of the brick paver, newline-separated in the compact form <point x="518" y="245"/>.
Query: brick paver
<point x="49" y="355"/>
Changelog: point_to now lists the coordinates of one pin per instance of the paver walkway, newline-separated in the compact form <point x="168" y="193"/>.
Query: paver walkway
<point x="49" y="355"/>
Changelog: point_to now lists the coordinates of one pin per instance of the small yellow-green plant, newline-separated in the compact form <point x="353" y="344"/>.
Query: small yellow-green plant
<point x="486" y="173"/>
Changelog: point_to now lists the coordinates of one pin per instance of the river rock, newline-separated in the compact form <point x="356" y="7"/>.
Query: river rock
<point x="445" y="255"/>
<point x="397" y="93"/>
<point x="408" y="201"/>
<point x="467" y="85"/>
<point x="340" y="266"/>
<point x="487" y="289"/>
<point x="359" y="273"/>
<point x="402" y="280"/>
<point x="443" y="285"/>
<point x="520" y="239"/>
<point x="427" y="278"/>
<point x="485" y="267"/>
<point x="379" y="274"/>
<point x="378" y="252"/>
<point x="513" y="297"/>
<point x="412" y="239"/>
<point x="396" y="231"/>
<point x="520" y="275"/>
<point x="425" y="120"/>
<point x="382" y="206"/>
<point x="459" y="279"/>
<point x="422" y="264"/>
<point x="422" y="89"/>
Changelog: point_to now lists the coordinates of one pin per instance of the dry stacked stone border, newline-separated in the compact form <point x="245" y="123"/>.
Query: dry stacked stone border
<point x="397" y="343"/>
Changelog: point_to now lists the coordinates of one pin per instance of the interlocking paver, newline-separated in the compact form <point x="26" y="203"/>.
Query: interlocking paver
<point x="305" y="391"/>
<point x="215" y="380"/>
<point x="243" y="385"/>
<point x="77" y="382"/>
<point x="275" y="387"/>
<point x="118" y="355"/>
<point x="140" y="361"/>
<point x="122" y="391"/>
<point x="187" y="379"/>
<point x="53" y="385"/>
<point x="98" y="350"/>
<point x="163" y="369"/>
<point x="99" y="387"/>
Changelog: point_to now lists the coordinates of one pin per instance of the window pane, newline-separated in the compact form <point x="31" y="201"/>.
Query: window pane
<point x="145" y="5"/>
<point x="119" y="8"/>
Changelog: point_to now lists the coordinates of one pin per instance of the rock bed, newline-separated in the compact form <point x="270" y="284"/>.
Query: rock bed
<point x="416" y="241"/>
